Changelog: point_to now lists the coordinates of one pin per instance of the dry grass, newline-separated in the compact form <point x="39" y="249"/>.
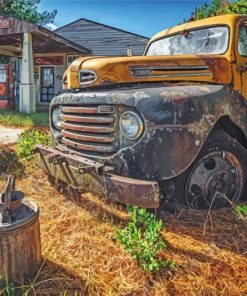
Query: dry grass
<point x="79" y="246"/>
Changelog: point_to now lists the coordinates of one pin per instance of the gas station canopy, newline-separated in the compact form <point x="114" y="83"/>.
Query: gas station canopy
<point x="44" y="40"/>
<point x="37" y="61"/>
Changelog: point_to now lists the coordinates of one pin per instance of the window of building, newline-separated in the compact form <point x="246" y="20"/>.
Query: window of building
<point x="70" y="59"/>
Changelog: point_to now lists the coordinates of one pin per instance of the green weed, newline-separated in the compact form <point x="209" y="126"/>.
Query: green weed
<point x="241" y="211"/>
<point x="142" y="239"/>
<point x="29" y="138"/>
<point x="7" y="288"/>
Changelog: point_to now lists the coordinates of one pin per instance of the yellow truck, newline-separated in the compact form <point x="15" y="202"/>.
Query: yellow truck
<point x="164" y="130"/>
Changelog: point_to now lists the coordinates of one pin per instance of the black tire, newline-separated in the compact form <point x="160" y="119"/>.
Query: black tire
<point x="217" y="175"/>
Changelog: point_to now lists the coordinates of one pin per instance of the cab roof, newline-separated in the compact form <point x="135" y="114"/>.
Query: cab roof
<point x="228" y="19"/>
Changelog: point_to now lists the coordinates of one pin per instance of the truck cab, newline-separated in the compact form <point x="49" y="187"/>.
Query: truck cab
<point x="164" y="130"/>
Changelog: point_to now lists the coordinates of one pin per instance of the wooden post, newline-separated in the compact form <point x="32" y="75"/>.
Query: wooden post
<point x="27" y="86"/>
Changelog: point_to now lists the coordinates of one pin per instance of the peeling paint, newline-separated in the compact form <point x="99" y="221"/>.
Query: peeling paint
<point x="119" y="96"/>
<point x="141" y="95"/>
<point x="202" y="127"/>
<point x="177" y="121"/>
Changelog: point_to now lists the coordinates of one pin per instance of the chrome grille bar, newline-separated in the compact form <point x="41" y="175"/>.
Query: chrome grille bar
<point x="89" y="110"/>
<point x="87" y="119"/>
<point x="88" y="147"/>
<point x="100" y="129"/>
<point x="89" y="129"/>
<point x="89" y="138"/>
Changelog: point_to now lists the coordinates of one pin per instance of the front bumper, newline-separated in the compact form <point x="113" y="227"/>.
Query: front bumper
<point x="74" y="170"/>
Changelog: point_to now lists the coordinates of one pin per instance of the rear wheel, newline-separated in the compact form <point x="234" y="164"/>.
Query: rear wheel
<point x="217" y="175"/>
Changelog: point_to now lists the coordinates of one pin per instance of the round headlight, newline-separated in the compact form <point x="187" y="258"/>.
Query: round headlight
<point x="56" y="117"/>
<point x="131" y="125"/>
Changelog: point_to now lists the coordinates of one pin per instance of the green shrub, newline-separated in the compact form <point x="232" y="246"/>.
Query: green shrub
<point x="219" y="7"/>
<point x="29" y="138"/>
<point x="8" y="159"/>
<point x="142" y="239"/>
<point x="241" y="211"/>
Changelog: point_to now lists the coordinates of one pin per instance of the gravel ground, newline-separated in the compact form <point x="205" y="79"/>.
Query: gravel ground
<point x="9" y="135"/>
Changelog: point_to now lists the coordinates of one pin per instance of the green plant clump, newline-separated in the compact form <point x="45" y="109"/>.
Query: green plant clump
<point x="142" y="239"/>
<point x="29" y="138"/>
<point x="241" y="210"/>
<point x="27" y="10"/>
<point x="10" y="290"/>
<point x="219" y="7"/>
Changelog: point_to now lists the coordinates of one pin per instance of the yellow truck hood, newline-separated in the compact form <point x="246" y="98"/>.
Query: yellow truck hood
<point x="204" y="68"/>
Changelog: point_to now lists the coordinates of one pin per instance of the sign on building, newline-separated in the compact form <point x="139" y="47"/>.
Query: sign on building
<point x="49" y="60"/>
<point x="5" y="24"/>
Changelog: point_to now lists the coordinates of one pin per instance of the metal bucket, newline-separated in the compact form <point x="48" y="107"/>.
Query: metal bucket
<point x="20" y="245"/>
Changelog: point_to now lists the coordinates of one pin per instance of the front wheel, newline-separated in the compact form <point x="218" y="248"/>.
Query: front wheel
<point x="216" y="178"/>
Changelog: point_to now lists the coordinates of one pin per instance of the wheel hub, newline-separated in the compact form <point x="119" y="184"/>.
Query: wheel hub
<point x="215" y="176"/>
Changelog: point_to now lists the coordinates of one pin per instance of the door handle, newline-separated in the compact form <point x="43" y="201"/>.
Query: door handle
<point x="243" y="68"/>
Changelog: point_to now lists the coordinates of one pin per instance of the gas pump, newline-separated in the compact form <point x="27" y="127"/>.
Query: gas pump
<point x="6" y="87"/>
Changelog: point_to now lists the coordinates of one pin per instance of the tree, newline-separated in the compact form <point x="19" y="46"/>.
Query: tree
<point x="27" y="10"/>
<point x="218" y="7"/>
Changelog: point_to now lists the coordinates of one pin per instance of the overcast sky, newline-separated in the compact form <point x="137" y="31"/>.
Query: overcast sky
<point x="144" y="17"/>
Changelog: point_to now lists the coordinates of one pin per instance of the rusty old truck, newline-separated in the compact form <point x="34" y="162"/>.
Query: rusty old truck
<point x="165" y="130"/>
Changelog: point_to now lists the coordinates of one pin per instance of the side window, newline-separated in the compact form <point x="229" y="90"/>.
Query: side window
<point x="242" y="42"/>
<point x="70" y="59"/>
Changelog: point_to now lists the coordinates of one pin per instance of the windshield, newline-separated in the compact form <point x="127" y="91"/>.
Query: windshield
<point x="204" y="41"/>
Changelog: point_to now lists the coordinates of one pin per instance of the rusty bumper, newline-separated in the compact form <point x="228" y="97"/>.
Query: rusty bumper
<point x="74" y="170"/>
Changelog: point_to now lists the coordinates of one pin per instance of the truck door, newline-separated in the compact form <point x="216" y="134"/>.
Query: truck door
<point x="241" y="54"/>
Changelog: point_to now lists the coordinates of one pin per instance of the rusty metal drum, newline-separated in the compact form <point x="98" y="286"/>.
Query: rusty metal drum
<point x="20" y="245"/>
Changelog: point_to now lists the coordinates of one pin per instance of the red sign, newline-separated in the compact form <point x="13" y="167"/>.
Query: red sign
<point x="4" y="24"/>
<point x="48" y="61"/>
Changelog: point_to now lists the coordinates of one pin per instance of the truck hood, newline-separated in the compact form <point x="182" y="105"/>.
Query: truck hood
<point x="93" y="71"/>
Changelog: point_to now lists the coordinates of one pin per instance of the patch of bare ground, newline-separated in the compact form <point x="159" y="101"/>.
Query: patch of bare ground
<point x="82" y="254"/>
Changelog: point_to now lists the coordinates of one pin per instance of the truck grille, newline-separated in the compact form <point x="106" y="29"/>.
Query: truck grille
<point x="89" y="129"/>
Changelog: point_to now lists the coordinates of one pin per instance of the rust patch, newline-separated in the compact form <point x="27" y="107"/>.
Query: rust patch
<point x="202" y="127"/>
<point x="131" y="191"/>
<point x="122" y="189"/>
<point x="220" y="68"/>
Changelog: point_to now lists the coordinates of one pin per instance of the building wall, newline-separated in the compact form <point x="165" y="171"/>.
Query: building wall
<point x="103" y="40"/>
<point x="58" y="72"/>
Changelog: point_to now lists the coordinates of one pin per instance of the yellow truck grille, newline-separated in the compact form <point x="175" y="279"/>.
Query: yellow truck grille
<point x="89" y="129"/>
